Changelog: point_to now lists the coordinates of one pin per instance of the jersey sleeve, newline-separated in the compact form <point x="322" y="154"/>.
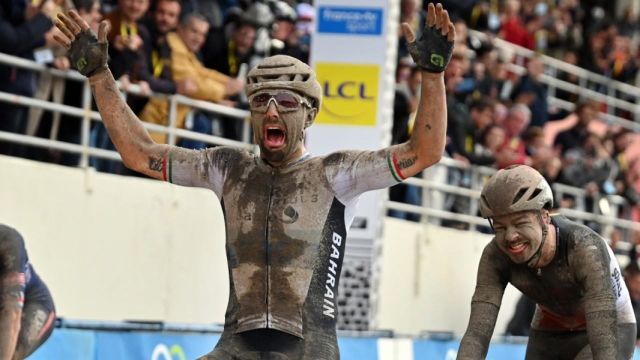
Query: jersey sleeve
<point x="353" y="172"/>
<point x="591" y="263"/>
<point x="491" y="281"/>
<point x="199" y="168"/>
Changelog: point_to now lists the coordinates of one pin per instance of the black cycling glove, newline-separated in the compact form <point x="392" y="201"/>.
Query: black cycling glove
<point x="87" y="55"/>
<point x="432" y="51"/>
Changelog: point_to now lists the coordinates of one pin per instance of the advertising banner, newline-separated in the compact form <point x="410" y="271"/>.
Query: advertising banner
<point x="353" y="51"/>
<point x="153" y="346"/>
<point x="69" y="344"/>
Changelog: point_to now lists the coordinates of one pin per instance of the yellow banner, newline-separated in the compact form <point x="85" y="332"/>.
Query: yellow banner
<point x="350" y="94"/>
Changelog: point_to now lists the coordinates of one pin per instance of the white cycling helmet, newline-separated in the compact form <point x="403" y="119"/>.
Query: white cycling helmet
<point x="513" y="189"/>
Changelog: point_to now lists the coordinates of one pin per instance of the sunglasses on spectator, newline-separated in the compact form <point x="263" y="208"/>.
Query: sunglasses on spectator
<point x="285" y="101"/>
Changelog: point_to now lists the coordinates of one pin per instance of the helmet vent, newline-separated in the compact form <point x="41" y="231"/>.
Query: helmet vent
<point x="535" y="193"/>
<point x="519" y="195"/>
<point x="274" y="66"/>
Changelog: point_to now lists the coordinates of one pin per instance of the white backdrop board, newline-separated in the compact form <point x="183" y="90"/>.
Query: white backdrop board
<point x="354" y="54"/>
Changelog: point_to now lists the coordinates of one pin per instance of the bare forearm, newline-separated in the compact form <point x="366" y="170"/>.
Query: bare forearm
<point x="126" y="131"/>
<point x="429" y="131"/>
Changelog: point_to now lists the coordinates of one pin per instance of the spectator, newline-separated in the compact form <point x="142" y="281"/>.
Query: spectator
<point x="513" y="151"/>
<point x="570" y="57"/>
<point x="491" y="139"/>
<point x="407" y="96"/>
<point x="157" y="70"/>
<point x="577" y="135"/>
<point x="70" y="125"/>
<point x="534" y="92"/>
<point x="457" y="111"/>
<point x="285" y="39"/>
<point x="544" y="158"/>
<point x="49" y="86"/>
<point x="238" y="49"/>
<point x="19" y="36"/>
<point x="629" y="24"/>
<point x="587" y="166"/>
<point x="513" y="28"/>
<point x="127" y="38"/>
<point x="236" y="52"/>
<point x="211" y="85"/>
<point x="494" y="73"/>
<point x="465" y="135"/>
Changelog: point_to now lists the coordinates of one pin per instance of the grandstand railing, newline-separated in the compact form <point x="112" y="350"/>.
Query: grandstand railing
<point x="87" y="115"/>
<point x="604" y="210"/>
<point x="591" y="86"/>
<point x="433" y="186"/>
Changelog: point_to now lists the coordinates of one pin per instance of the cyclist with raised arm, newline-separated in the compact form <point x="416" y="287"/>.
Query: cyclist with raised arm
<point x="286" y="212"/>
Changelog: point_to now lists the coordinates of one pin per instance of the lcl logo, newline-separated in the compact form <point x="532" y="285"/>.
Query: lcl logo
<point x="350" y="93"/>
<point x="347" y="90"/>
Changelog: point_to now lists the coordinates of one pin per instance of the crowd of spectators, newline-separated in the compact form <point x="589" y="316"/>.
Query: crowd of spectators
<point x="203" y="48"/>
<point x="197" y="48"/>
<point x="497" y="117"/>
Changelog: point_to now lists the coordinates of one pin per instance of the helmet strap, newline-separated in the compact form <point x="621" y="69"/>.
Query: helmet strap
<point x="535" y="258"/>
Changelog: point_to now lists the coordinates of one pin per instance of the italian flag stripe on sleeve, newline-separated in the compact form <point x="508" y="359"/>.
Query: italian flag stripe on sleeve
<point x="393" y="166"/>
<point x="167" y="167"/>
<point x="164" y="168"/>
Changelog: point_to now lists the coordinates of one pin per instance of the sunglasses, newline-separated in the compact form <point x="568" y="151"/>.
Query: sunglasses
<point x="285" y="101"/>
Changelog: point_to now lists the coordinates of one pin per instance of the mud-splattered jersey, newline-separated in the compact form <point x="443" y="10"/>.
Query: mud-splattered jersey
<point x="285" y="229"/>
<point x="14" y="262"/>
<point x="582" y="278"/>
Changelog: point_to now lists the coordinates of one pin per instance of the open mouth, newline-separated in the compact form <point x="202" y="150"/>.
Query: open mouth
<point x="274" y="136"/>
<point x="516" y="248"/>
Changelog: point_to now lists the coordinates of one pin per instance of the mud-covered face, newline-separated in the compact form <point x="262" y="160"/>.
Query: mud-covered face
<point x="518" y="235"/>
<point x="278" y="118"/>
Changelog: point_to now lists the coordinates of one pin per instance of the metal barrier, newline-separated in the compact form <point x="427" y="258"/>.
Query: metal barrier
<point x="607" y="90"/>
<point x="432" y="185"/>
<point x="87" y="115"/>
<point x="605" y="210"/>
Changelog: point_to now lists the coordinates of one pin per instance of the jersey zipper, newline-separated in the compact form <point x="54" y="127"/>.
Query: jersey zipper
<point x="268" y="250"/>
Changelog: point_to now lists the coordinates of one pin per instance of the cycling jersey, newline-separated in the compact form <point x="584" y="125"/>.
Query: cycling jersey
<point x="285" y="234"/>
<point x="580" y="289"/>
<point x="38" y="312"/>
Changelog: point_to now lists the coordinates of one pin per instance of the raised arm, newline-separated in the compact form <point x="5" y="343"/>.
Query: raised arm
<point x="88" y="55"/>
<point x="431" y="52"/>
<point x="485" y="306"/>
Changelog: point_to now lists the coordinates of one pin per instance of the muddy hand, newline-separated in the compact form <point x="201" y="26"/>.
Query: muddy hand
<point x="88" y="53"/>
<point x="432" y="51"/>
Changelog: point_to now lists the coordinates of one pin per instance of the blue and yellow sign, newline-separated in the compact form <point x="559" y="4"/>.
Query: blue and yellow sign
<point x="350" y="20"/>
<point x="350" y="94"/>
